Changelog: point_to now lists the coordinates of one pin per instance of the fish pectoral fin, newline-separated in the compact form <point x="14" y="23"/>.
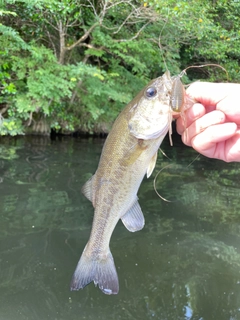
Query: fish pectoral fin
<point x="134" y="219"/>
<point x="152" y="165"/>
<point x="87" y="189"/>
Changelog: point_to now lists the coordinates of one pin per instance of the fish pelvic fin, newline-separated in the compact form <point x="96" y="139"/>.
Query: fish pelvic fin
<point x="133" y="219"/>
<point x="87" y="189"/>
<point x="100" y="270"/>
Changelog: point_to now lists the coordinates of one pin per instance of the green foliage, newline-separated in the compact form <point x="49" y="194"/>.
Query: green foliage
<point x="76" y="63"/>
<point x="11" y="126"/>
<point x="202" y="32"/>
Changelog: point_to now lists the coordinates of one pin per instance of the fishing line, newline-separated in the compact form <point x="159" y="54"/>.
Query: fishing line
<point x="164" y="154"/>
<point x="155" y="179"/>
<point x="159" y="41"/>
<point x="183" y="72"/>
<point x="198" y="156"/>
<point x="154" y="184"/>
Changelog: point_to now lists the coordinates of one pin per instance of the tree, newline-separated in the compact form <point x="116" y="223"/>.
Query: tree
<point x="72" y="65"/>
<point x="80" y="61"/>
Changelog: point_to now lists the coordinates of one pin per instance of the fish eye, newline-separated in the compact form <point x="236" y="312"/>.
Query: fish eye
<point x="151" y="92"/>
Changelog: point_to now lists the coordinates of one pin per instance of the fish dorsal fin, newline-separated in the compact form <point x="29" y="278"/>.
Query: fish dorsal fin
<point x="87" y="189"/>
<point x="134" y="219"/>
<point x="152" y="165"/>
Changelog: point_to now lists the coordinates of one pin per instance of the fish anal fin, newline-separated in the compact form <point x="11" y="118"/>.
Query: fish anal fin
<point x="152" y="165"/>
<point x="87" y="189"/>
<point x="101" y="271"/>
<point x="134" y="219"/>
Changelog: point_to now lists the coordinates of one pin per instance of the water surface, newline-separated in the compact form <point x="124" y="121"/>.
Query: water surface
<point x="185" y="263"/>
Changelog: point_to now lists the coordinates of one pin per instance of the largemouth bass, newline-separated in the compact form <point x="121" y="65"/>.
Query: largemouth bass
<point x="130" y="151"/>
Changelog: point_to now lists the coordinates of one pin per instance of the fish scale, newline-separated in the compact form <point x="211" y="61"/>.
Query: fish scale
<point x="130" y="152"/>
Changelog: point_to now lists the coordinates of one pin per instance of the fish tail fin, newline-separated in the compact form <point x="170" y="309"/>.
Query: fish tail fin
<point x="95" y="268"/>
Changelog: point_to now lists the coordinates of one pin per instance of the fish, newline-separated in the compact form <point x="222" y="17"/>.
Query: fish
<point x="129" y="153"/>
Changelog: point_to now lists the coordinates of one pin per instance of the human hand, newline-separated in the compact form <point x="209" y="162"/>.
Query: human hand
<point x="212" y="125"/>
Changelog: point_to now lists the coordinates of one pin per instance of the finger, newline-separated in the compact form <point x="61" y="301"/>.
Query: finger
<point x="215" y="141"/>
<point x="207" y="120"/>
<point x="209" y="94"/>
<point x="231" y="107"/>
<point x="189" y="116"/>
<point x="233" y="148"/>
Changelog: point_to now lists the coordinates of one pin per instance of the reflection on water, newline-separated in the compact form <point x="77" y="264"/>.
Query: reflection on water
<point x="185" y="263"/>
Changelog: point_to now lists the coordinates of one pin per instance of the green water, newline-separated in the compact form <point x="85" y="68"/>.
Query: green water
<point x="185" y="263"/>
